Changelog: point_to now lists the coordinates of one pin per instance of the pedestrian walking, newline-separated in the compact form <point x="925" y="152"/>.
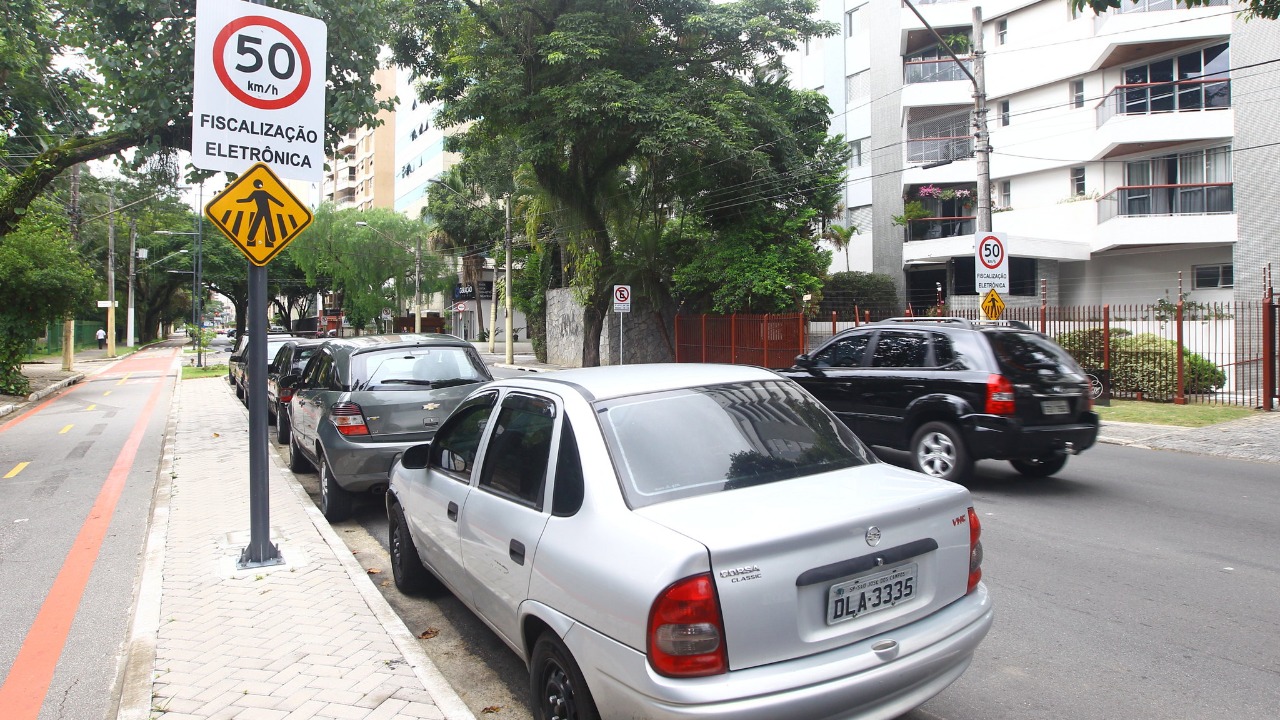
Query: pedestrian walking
<point x="102" y="338"/>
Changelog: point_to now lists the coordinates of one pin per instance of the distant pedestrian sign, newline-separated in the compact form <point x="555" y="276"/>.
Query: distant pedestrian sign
<point x="991" y="262"/>
<point x="259" y="87"/>
<point x="992" y="305"/>
<point x="622" y="298"/>
<point x="258" y="214"/>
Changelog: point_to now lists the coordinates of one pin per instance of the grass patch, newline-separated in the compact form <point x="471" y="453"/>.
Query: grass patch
<point x="1169" y="414"/>
<point x="190" y="372"/>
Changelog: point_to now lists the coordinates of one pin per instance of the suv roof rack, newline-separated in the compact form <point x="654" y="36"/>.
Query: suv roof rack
<point x="1016" y="324"/>
<point x="964" y="322"/>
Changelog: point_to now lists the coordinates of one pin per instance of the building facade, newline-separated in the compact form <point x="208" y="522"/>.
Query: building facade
<point x="1125" y="148"/>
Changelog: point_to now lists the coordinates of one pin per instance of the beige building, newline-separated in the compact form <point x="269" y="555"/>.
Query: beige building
<point x="362" y="176"/>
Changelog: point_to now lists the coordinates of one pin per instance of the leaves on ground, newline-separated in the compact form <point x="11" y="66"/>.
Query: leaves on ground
<point x="428" y="633"/>
<point x="374" y="571"/>
<point x="492" y="709"/>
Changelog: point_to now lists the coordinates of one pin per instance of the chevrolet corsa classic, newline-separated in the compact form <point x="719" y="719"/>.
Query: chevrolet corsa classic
<point x="691" y="541"/>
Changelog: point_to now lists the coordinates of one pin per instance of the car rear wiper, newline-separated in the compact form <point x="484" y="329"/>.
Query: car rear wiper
<point x="404" y="381"/>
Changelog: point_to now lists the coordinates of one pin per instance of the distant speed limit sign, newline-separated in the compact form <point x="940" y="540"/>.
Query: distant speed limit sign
<point x="621" y="298"/>
<point x="991" y="262"/>
<point x="259" y="89"/>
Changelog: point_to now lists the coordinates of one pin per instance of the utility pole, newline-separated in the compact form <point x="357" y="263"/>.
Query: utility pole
<point x="130" y="337"/>
<point x="69" y="323"/>
<point x="982" y="141"/>
<point x="507" y="305"/>
<point x="111" y="274"/>
<point x="417" y="284"/>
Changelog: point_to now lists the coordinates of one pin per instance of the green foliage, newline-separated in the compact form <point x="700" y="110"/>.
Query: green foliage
<point x="1144" y="363"/>
<point x="911" y="210"/>
<point x="1268" y="9"/>
<point x="42" y="279"/>
<point x="200" y="337"/>
<point x="845" y="292"/>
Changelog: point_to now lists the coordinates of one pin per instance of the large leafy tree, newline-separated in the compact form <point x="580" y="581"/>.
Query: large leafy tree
<point x="141" y="58"/>
<point x="583" y="89"/>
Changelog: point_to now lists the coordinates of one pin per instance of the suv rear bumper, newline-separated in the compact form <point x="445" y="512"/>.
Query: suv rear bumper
<point x="1007" y="438"/>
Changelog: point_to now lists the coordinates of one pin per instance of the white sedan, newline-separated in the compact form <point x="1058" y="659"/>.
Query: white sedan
<point x="691" y="541"/>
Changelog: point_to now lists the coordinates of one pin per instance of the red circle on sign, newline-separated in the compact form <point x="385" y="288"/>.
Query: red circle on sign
<point x="304" y="62"/>
<point x="983" y="256"/>
<point x="621" y="294"/>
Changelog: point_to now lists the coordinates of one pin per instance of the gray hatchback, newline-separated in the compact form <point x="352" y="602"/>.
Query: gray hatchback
<point x="361" y="401"/>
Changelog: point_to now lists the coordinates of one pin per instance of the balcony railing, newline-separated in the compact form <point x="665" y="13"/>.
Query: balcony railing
<point x="921" y="71"/>
<point x="1165" y="97"/>
<point x="1160" y="200"/>
<point x="937" y="149"/>
<point x="933" y="228"/>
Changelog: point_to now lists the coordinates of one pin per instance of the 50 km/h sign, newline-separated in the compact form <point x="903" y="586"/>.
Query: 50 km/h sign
<point x="991" y="262"/>
<point x="259" y="89"/>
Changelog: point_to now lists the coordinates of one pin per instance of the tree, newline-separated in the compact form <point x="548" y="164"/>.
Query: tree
<point x="840" y="238"/>
<point x="584" y="88"/>
<point x="845" y="293"/>
<point x="141" y="57"/>
<point x="466" y="221"/>
<point x="1268" y="9"/>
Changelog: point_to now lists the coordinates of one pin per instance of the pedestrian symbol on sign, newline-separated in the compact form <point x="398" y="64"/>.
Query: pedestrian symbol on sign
<point x="992" y="305"/>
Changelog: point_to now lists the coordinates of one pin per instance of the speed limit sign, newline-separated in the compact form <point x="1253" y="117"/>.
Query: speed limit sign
<point x="991" y="262"/>
<point x="259" y="89"/>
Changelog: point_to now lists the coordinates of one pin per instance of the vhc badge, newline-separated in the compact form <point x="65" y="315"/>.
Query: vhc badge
<point x="873" y="536"/>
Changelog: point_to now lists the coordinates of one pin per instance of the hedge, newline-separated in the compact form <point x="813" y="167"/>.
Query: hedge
<point x="1144" y="363"/>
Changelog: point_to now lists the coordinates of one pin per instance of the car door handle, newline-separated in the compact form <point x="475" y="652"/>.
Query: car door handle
<point x="453" y="511"/>
<point x="517" y="552"/>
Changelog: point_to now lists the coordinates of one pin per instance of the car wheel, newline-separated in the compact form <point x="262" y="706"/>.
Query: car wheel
<point x="937" y="450"/>
<point x="556" y="684"/>
<point x="406" y="566"/>
<point x="1039" y="467"/>
<point x="240" y="393"/>
<point x="335" y="503"/>
<point x="297" y="462"/>
<point x="282" y="427"/>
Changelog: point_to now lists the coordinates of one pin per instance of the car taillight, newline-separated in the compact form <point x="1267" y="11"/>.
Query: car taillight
<point x="975" y="550"/>
<point x="686" y="633"/>
<point x="999" y="395"/>
<point x="348" y="418"/>
<point x="286" y="394"/>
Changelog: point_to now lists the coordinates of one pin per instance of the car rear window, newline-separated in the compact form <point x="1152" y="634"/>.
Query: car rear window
<point x="1029" y="355"/>
<point x="414" y="368"/>
<point x="713" y="439"/>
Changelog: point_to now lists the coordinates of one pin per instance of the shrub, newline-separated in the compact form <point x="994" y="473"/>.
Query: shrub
<point x="1086" y="345"/>
<point x="1144" y="363"/>
<point x="845" y="291"/>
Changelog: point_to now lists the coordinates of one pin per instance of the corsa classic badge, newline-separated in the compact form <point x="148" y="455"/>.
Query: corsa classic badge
<point x="873" y="536"/>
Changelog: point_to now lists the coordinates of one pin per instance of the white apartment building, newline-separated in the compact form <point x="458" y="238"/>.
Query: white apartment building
<point x="1125" y="147"/>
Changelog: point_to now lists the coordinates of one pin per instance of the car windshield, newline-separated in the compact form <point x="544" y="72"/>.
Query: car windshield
<point x="1028" y="355"/>
<point x="415" y="368"/>
<point x="713" y="439"/>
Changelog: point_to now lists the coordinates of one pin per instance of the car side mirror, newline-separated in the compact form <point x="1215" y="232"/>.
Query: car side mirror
<point x="804" y="361"/>
<point x="290" y="380"/>
<point x="416" y="457"/>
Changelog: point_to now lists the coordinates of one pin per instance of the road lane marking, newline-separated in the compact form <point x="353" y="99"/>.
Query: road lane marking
<point x="124" y="379"/>
<point x="16" y="469"/>
<point x="91" y="407"/>
<point x="27" y="684"/>
<point x="106" y="393"/>
<point x="64" y="430"/>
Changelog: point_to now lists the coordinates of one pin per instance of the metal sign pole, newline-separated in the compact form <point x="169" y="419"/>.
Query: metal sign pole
<point x="260" y="552"/>
<point x="622" y="359"/>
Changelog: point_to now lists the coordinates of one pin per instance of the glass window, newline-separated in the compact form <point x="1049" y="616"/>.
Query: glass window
<point x="1004" y="112"/>
<point x="1208" y="277"/>
<point x="1077" y="181"/>
<point x="1030" y="355"/>
<point x="1077" y="93"/>
<point x="853" y="22"/>
<point x="858" y="156"/>
<point x="721" y="438"/>
<point x="412" y="368"/>
<point x="519" y="449"/>
<point x="845" y="352"/>
<point x="454" y="447"/>
<point x="566" y="496"/>
<point x="1022" y="276"/>
<point x="943" y="352"/>
<point x="1006" y="193"/>
<point x="1002" y="31"/>
<point x="900" y="348"/>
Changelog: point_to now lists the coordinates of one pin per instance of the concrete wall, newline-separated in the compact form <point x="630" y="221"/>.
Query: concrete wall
<point x="642" y="333"/>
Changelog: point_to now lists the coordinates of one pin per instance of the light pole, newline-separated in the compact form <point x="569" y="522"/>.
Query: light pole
<point x="140" y="254"/>
<point x="196" y="295"/>
<point x="417" y="272"/>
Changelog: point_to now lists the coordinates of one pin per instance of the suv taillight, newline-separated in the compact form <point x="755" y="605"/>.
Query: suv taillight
<point x="999" y="395"/>
<point x="348" y="418"/>
<point x="686" y="633"/>
<point x="975" y="550"/>
<point x="286" y="394"/>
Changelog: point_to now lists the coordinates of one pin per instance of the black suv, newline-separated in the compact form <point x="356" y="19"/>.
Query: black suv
<point x="951" y="391"/>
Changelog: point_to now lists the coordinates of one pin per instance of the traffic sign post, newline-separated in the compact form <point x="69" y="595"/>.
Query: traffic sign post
<point x="991" y="262"/>
<point x="258" y="214"/>
<point x="259" y="88"/>
<point x="621" y="305"/>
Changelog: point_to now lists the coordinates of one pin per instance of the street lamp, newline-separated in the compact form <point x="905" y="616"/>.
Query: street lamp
<point x="417" y="272"/>
<point x="195" y="281"/>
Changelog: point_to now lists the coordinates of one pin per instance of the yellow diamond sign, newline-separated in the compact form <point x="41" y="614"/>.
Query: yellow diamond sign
<point x="992" y="305"/>
<point x="258" y="214"/>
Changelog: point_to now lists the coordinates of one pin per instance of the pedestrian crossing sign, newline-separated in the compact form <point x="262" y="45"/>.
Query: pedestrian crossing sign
<point x="258" y="214"/>
<point x="992" y="305"/>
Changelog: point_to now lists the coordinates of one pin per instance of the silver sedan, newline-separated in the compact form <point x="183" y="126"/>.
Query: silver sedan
<point x="691" y="541"/>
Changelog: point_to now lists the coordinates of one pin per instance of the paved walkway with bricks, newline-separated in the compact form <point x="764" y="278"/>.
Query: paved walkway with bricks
<point x="309" y="639"/>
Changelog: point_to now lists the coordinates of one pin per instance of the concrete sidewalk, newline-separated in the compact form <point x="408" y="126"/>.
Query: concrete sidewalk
<point x="309" y="639"/>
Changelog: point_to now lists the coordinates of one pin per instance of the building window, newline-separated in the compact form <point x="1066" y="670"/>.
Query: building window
<point x="1002" y="31"/>
<point x="1077" y="93"/>
<point x="1004" y="112"/>
<point x="1198" y="80"/>
<point x="1022" y="276"/>
<point x="1189" y="183"/>
<point x="939" y="137"/>
<point x="859" y="218"/>
<point x="1006" y="194"/>
<point x="1209" y="277"/>
<point x="852" y="22"/>
<point x="1077" y="181"/>
<point x="858" y="152"/>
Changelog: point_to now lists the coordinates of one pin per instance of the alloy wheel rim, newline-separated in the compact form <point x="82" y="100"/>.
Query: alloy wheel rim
<point x="559" y="693"/>
<point x="936" y="454"/>
<point x="324" y="481"/>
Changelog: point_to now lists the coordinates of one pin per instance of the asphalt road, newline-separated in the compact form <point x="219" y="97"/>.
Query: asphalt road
<point x="1137" y="584"/>
<point x="77" y="475"/>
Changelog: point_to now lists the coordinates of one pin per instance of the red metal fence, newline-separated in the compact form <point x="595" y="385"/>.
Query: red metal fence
<point x="766" y="340"/>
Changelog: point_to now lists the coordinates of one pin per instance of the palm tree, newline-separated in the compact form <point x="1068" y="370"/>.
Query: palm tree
<point x="840" y="237"/>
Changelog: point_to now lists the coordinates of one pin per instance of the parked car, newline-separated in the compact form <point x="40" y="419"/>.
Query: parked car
<point x="289" y="360"/>
<point x="676" y="541"/>
<point x="240" y="358"/>
<point x="361" y="401"/>
<point x="951" y="391"/>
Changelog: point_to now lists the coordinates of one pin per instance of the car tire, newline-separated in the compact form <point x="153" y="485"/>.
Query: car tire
<point x="282" y="427"/>
<point x="556" y="685"/>
<point x="411" y="576"/>
<point x="335" y="503"/>
<point x="240" y="393"/>
<point x="298" y="463"/>
<point x="937" y="450"/>
<point x="1039" y="467"/>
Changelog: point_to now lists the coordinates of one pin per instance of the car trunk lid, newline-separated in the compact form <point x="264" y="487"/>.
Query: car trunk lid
<point x="407" y="415"/>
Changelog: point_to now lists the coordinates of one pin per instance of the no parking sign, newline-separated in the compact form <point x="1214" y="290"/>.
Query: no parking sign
<point x="259" y="89"/>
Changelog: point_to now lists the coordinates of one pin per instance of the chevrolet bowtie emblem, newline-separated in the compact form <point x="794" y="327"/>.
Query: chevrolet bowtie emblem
<point x="431" y="406"/>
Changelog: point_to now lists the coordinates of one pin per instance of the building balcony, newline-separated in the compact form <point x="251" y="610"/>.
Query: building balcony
<point x="1165" y="200"/>
<point x="1156" y="98"/>
<point x="945" y="70"/>
<point x="939" y="149"/>
<point x="347" y="143"/>
<point x="934" y="228"/>
<point x="346" y="196"/>
<point x="1147" y="6"/>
